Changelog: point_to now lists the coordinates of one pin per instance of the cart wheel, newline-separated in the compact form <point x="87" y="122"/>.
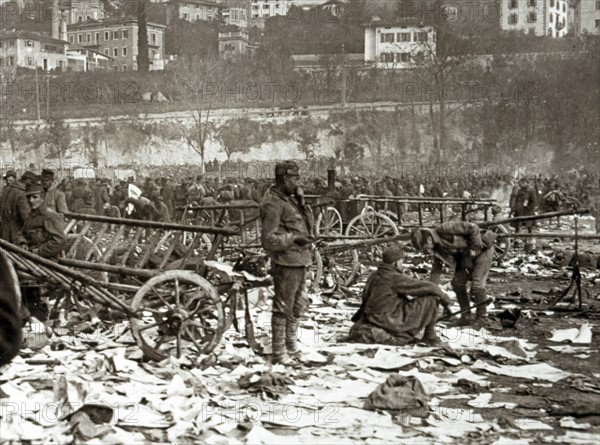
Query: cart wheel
<point x="372" y="225"/>
<point x="343" y="267"/>
<point x="504" y="245"/>
<point x="174" y="312"/>
<point x="329" y="222"/>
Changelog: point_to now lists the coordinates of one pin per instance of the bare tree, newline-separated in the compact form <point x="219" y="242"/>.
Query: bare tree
<point x="198" y="83"/>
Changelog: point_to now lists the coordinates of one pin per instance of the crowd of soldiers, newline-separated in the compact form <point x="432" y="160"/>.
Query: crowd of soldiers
<point x="32" y="209"/>
<point x="163" y="198"/>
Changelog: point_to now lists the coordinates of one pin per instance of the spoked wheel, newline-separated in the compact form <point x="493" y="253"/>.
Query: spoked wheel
<point x="329" y="222"/>
<point x="341" y="267"/>
<point x="175" y="313"/>
<point x="372" y="225"/>
<point x="504" y="244"/>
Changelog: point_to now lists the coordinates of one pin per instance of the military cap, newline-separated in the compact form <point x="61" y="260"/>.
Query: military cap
<point x="10" y="173"/>
<point x="34" y="189"/>
<point x="29" y="176"/>
<point x="47" y="174"/>
<point x="287" y="168"/>
<point x="392" y="254"/>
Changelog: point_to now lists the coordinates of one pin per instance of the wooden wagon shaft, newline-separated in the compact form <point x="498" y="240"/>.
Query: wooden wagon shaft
<point x="221" y="207"/>
<point x="27" y="257"/>
<point x="119" y="270"/>
<point x="436" y="200"/>
<point x="549" y="235"/>
<point x="357" y="245"/>
<point x="533" y="217"/>
<point x="227" y="231"/>
<point x="430" y="201"/>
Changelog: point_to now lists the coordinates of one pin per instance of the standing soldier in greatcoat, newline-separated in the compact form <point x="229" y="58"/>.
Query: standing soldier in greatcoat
<point x="287" y="228"/>
<point x="14" y="208"/>
<point x="55" y="199"/>
<point x="523" y="202"/>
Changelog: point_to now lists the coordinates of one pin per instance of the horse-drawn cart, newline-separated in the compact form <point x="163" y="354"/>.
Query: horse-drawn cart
<point x="174" y="301"/>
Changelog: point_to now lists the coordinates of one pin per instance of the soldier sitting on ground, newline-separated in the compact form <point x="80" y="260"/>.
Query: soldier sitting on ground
<point x="397" y="309"/>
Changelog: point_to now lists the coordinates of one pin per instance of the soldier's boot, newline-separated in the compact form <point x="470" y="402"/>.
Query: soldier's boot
<point x="429" y="337"/>
<point x="481" y="318"/>
<point x="463" y="300"/>
<point x="278" y="323"/>
<point x="291" y="338"/>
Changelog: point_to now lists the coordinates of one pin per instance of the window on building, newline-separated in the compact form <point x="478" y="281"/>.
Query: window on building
<point x="125" y="34"/>
<point x="185" y="15"/>
<point x="106" y="51"/>
<point x="124" y="51"/>
<point x="79" y="38"/>
<point x="79" y="18"/>
<point x="11" y="43"/>
<point x="387" y="37"/>
<point x="403" y="37"/>
<point x="153" y="38"/>
<point x="88" y="38"/>
<point x="597" y="5"/>
<point x="1" y="61"/>
<point x="512" y="4"/>
<point x="29" y="61"/>
<point x="29" y="43"/>
<point x="115" y="35"/>
<point x="532" y="3"/>
<point x="115" y="52"/>
<point x="513" y="19"/>
<point x="387" y="57"/>
<point x="532" y="17"/>
<point x="61" y="65"/>
<point x="11" y="60"/>
<point x="597" y="23"/>
<point x="197" y="16"/>
<point x="71" y="39"/>
<point x="552" y="3"/>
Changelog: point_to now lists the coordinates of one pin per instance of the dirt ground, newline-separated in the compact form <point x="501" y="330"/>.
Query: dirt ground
<point x="504" y="385"/>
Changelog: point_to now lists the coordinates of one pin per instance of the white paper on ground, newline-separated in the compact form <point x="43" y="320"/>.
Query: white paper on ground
<point x="569" y="422"/>
<point x="483" y="401"/>
<point x="532" y="424"/>
<point x="581" y="335"/>
<point x="540" y="371"/>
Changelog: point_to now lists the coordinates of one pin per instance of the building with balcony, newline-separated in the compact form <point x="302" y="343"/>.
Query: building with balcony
<point x="536" y="17"/>
<point x="75" y="11"/>
<point x="197" y="10"/>
<point x="586" y="17"/>
<point x="398" y="45"/>
<point x="33" y="50"/>
<point x="119" y="41"/>
<point x="235" y="43"/>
